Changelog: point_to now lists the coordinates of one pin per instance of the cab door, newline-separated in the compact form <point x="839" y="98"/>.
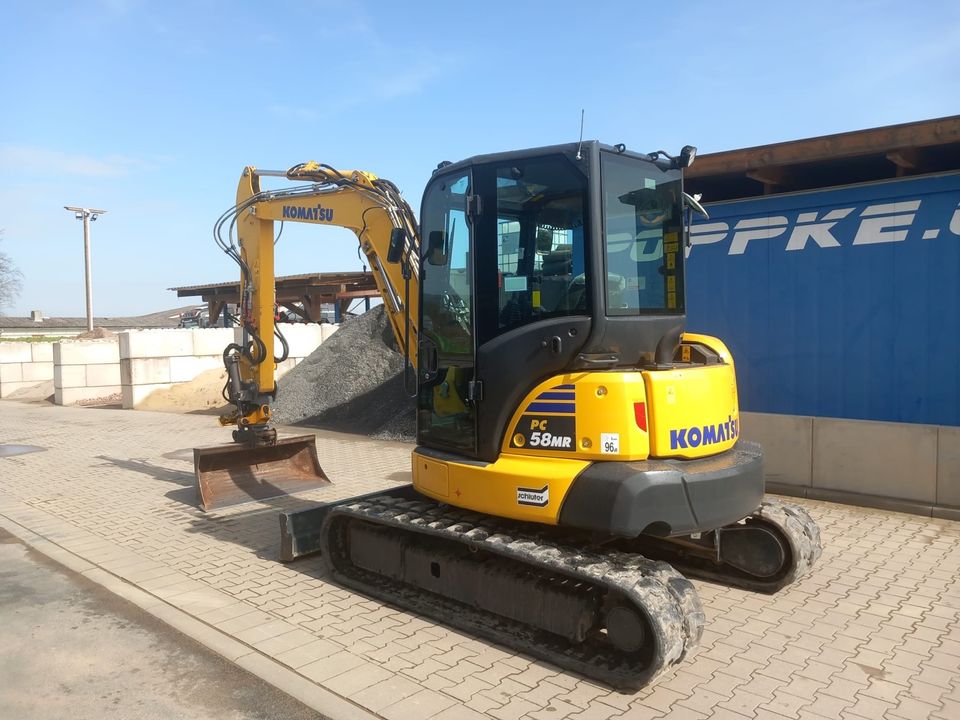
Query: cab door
<point x="446" y="408"/>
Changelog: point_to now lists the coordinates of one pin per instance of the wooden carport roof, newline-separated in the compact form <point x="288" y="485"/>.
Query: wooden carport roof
<point x="310" y="290"/>
<point x="916" y="148"/>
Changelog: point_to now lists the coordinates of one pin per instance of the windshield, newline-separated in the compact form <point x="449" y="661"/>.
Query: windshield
<point x="642" y="232"/>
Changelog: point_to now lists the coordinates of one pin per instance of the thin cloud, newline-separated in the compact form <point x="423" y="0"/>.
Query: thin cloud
<point x="404" y="80"/>
<point x="410" y="80"/>
<point x="27" y="159"/>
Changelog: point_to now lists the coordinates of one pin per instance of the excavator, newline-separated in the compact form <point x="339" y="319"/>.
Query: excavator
<point x="578" y="452"/>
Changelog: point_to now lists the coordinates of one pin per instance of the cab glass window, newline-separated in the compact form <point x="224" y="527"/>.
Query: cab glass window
<point x="642" y="231"/>
<point x="540" y="242"/>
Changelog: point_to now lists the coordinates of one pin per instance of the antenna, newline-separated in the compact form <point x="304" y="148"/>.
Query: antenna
<point x="580" y="145"/>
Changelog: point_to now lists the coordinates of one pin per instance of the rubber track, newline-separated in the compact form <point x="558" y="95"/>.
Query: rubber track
<point x="669" y="600"/>
<point x="799" y="530"/>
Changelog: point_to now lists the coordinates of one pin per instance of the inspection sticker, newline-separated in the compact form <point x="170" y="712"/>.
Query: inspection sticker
<point x="610" y="443"/>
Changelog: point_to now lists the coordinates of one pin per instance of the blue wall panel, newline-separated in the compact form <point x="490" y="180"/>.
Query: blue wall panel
<point x="837" y="303"/>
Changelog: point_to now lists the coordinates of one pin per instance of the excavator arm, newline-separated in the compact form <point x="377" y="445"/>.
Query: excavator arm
<point x="387" y="232"/>
<point x="258" y="465"/>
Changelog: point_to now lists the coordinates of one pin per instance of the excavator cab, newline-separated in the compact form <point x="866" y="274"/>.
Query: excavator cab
<point x="538" y="262"/>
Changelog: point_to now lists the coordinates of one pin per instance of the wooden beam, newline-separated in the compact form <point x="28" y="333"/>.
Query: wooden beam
<point x="349" y="294"/>
<point x="214" y="308"/>
<point x="771" y="175"/>
<point x="875" y="141"/>
<point x="907" y="159"/>
<point x="296" y="310"/>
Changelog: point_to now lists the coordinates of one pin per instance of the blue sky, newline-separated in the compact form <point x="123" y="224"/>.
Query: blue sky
<point x="151" y="109"/>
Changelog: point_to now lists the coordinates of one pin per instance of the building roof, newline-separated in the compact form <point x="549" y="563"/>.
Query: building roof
<point x="909" y="149"/>
<point x="304" y="295"/>
<point x="314" y="279"/>
<point x="163" y="319"/>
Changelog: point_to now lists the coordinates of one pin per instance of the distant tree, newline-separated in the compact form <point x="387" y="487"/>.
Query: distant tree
<point x="11" y="280"/>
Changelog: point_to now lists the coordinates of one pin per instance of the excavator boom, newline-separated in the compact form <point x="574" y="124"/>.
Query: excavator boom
<point x="259" y="465"/>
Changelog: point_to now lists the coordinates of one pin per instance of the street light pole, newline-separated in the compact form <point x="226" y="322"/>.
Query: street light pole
<point x="87" y="214"/>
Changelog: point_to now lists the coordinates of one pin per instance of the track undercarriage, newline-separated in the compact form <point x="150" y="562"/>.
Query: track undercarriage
<point x="616" y="612"/>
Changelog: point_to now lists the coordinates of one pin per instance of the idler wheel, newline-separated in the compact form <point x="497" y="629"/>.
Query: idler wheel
<point x="625" y="628"/>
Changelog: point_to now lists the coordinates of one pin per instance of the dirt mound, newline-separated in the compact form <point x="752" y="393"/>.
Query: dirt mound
<point x="41" y="392"/>
<point x="352" y="383"/>
<point x="200" y="395"/>
<point x="103" y="400"/>
<point x="98" y="333"/>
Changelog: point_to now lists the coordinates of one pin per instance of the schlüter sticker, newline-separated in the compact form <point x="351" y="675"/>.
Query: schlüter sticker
<point x="534" y="497"/>
<point x="535" y="432"/>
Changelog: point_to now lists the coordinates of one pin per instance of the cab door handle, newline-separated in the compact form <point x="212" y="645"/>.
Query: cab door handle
<point x="555" y="344"/>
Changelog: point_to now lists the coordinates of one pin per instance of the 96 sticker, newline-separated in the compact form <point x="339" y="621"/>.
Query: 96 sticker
<point x="610" y="443"/>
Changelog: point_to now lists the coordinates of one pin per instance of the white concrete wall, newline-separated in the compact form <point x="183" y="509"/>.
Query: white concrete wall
<point x="901" y="466"/>
<point x="24" y="364"/>
<point x="152" y="360"/>
<point x="85" y="370"/>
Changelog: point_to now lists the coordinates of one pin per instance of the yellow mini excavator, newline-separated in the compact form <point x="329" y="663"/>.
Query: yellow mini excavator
<point x="577" y="452"/>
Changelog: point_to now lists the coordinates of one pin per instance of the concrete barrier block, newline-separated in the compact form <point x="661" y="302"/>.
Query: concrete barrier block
<point x="326" y="330"/>
<point x="71" y="396"/>
<point x="895" y="460"/>
<point x="133" y="395"/>
<point x="41" y="352"/>
<point x="88" y="352"/>
<point x="69" y="376"/>
<point x="286" y="366"/>
<point x="144" y="371"/>
<point x="101" y="375"/>
<point x="787" y="442"/>
<point x="184" y="369"/>
<point x="11" y="372"/>
<point x="211" y="341"/>
<point x="15" y="352"/>
<point x="948" y="466"/>
<point x="302" y="339"/>
<point x="156" y="343"/>
<point x="37" y="371"/>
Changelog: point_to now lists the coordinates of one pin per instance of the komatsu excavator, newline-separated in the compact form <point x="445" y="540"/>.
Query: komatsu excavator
<point x="577" y="451"/>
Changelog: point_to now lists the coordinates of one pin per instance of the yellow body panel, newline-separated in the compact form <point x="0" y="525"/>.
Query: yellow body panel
<point x="696" y="413"/>
<point x="597" y="411"/>
<point x="518" y="487"/>
<point x="570" y="421"/>
<point x="432" y="476"/>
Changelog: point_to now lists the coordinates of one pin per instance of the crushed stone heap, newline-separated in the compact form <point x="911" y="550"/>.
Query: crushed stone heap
<point x="352" y="383"/>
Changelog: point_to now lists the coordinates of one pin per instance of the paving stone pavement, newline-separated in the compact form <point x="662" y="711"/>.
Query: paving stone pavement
<point x="873" y="632"/>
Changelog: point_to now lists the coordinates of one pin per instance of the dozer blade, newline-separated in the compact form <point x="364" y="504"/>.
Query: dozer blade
<point x="233" y="474"/>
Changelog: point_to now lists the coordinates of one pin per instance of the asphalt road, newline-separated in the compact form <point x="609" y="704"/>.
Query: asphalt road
<point x="70" y="649"/>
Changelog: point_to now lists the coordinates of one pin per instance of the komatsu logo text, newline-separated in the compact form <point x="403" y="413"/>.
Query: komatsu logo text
<point x="704" y="435"/>
<point x="295" y="212"/>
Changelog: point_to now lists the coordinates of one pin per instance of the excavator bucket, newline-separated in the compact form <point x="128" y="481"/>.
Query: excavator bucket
<point x="233" y="474"/>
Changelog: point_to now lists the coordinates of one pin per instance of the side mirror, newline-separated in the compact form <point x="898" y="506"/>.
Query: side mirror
<point x="398" y="241"/>
<point x="436" y="248"/>
<point x="694" y="204"/>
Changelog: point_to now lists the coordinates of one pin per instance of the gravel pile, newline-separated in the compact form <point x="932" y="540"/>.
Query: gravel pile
<point x="352" y="383"/>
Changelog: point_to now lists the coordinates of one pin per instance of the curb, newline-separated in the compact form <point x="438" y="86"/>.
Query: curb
<point x="330" y="705"/>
